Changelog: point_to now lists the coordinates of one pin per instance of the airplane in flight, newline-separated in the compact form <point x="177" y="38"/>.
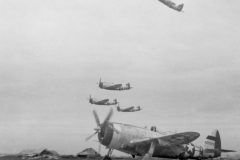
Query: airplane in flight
<point x="140" y="141"/>
<point x="112" y="86"/>
<point x="128" y="109"/>
<point x="172" y="5"/>
<point x="102" y="101"/>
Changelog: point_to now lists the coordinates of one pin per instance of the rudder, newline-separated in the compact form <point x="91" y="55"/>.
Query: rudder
<point x="213" y="141"/>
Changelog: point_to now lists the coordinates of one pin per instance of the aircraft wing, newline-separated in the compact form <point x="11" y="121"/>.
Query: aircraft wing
<point x="170" y="140"/>
<point x="103" y="101"/>
<point x="128" y="109"/>
<point x="115" y="86"/>
<point x="167" y="2"/>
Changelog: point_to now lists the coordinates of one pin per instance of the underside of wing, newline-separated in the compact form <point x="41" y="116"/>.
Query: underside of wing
<point x="128" y="109"/>
<point x="167" y="2"/>
<point x="115" y="86"/>
<point x="170" y="3"/>
<point x="103" y="101"/>
<point x="170" y="140"/>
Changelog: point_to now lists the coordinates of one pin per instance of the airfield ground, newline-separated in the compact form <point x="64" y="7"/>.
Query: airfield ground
<point x="14" y="157"/>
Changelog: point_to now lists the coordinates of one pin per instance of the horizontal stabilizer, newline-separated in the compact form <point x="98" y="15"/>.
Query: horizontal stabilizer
<point x="225" y="150"/>
<point x="218" y="150"/>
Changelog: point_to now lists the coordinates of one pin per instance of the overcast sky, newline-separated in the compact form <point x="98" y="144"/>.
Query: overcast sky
<point x="184" y="69"/>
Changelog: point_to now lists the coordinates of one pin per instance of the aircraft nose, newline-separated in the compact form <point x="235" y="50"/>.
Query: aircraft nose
<point x="108" y="135"/>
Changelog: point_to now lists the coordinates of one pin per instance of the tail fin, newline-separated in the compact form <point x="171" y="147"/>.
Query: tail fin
<point x="213" y="141"/>
<point x="128" y="85"/>
<point x="100" y="83"/>
<point x="179" y="7"/>
<point x="212" y="144"/>
<point x="90" y="99"/>
<point x="118" y="108"/>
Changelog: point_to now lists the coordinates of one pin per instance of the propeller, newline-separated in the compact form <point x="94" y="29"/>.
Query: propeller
<point x="100" y="127"/>
<point x="99" y="148"/>
<point x="89" y="137"/>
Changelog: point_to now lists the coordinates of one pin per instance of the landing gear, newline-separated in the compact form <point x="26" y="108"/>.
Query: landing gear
<point x="148" y="156"/>
<point x="108" y="156"/>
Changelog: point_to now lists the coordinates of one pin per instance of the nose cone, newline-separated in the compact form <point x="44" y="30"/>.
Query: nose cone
<point x="107" y="136"/>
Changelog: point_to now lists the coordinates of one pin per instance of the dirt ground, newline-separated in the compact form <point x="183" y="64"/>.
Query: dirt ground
<point x="14" y="157"/>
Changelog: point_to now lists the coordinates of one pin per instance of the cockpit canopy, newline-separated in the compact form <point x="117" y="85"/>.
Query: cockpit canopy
<point x="153" y="128"/>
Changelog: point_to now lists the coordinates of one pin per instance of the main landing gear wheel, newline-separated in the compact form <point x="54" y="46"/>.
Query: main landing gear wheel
<point x="108" y="156"/>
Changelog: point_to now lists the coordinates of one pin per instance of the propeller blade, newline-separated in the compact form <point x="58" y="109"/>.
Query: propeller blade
<point x="107" y="118"/>
<point x="96" y="118"/>
<point x="89" y="137"/>
<point x="99" y="148"/>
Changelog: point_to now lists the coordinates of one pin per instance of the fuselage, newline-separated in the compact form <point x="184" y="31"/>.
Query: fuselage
<point x="112" y="86"/>
<point x="102" y="102"/>
<point x="125" y="109"/>
<point x="121" y="141"/>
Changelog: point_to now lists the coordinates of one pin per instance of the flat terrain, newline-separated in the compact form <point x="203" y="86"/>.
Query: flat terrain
<point x="13" y="157"/>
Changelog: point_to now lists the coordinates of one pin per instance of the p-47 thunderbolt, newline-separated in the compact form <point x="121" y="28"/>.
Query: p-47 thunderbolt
<point x="102" y="101"/>
<point x="211" y="148"/>
<point x="172" y="5"/>
<point x="112" y="86"/>
<point x="128" y="109"/>
<point x="140" y="141"/>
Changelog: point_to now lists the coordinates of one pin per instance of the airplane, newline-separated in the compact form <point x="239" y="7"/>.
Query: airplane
<point x="211" y="148"/>
<point x="112" y="86"/>
<point x="140" y="141"/>
<point x="102" y="101"/>
<point x="172" y="5"/>
<point x="128" y="109"/>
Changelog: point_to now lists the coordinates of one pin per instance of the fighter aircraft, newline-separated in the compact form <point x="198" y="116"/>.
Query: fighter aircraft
<point x="211" y="148"/>
<point x="112" y="86"/>
<point x="172" y="5"/>
<point x="102" y="101"/>
<point x="140" y="141"/>
<point x="128" y="109"/>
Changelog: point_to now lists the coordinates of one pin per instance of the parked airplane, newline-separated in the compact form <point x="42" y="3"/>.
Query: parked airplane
<point x="128" y="109"/>
<point x="140" y="141"/>
<point x="102" y="101"/>
<point x="112" y="86"/>
<point x="172" y="5"/>
<point x="211" y="148"/>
